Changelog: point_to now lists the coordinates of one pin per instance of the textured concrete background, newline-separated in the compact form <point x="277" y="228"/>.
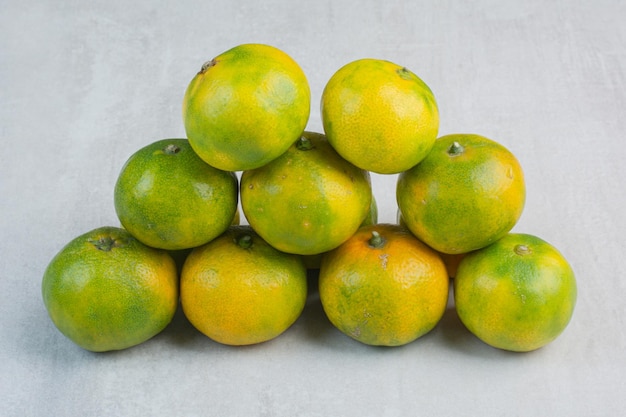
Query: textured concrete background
<point x="83" y="84"/>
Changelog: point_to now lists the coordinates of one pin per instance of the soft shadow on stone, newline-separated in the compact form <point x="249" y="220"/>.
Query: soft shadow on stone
<point x="457" y="337"/>
<point x="313" y="320"/>
<point x="453" y="331"/>
<point x="180" y="332"/>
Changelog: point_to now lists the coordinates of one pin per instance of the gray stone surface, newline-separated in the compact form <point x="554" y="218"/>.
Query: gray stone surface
<point x="85" y="84"/>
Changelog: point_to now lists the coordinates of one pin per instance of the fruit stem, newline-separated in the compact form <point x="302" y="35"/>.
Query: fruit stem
<point x="207" y="65"/>
<point x="522" y="250"/>
<point x="105" y="243"/>
<point x="304" y="144"/>
<point x="404" y="73"/>
<point x="376" y="241"/>
<point x="455" y="149"/>
<point x="244" y="241"/>
<point x="171" y="149"/>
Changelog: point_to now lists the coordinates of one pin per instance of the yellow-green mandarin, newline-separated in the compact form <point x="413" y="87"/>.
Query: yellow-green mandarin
<point x="168" y="198"/>
<point x="314" y="261"/>
<point x="180" y="255"/>
<point x="307" y="201"/>
<point x="246" y="107"/>
<point x="238" y="290"/>
<point x="383" y="286"/>
<point x="467" y="193"/>
<point x="380" y="116"/>
<point x="107" y="291"/>
<point x="516" y="294"/>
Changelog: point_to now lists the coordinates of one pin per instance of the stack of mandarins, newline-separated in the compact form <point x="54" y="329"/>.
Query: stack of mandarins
<point x="308" y="201"/>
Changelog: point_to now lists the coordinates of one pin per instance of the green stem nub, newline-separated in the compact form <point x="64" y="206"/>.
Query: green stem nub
<point x="171" y="149"/>
<point x="104" y="244"/>
<point x="404" y="73"/>
<point x="244" y="241"/>
<point x="522" y="250"/>
<point x="207" y="65"/>
<point x="304" y="144"/>
<point x="376" y="241"/>
<point x="455" y="149"/>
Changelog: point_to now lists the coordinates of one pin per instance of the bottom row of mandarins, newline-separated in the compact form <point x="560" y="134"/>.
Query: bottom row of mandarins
<point x="112" y="289"/>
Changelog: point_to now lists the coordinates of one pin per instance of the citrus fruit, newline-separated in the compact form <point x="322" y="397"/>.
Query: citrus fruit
<point x="314" y="261"/>
<point x="379" y="115"/>
<point x="168" y="198"/>
<point x="246" y="107"/>
<point x="179" y="255"/>
<point x="467" y="193"/>
<point x="307" y="201"/>
<point x="383" y="286"/>
<point x="516" y="294"/>
<point x="105" y="290"/>
<point x="238" y="290"/>
<point x="451" y="261"/>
